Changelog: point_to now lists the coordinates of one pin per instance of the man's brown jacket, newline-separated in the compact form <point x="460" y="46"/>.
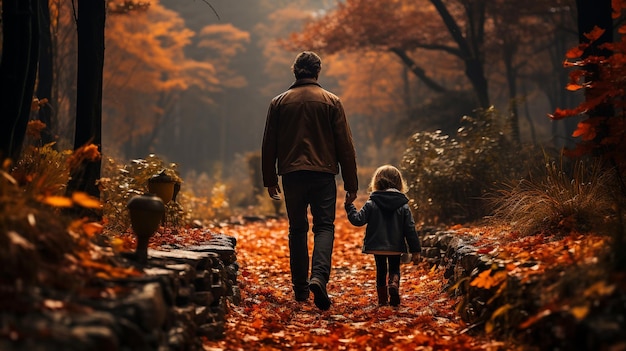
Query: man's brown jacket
<point x="306" y="129"/>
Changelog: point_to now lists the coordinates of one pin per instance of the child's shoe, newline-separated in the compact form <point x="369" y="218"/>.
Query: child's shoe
<point x="394" y="290"/>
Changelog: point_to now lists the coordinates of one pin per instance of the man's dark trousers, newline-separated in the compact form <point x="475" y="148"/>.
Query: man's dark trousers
<point x="319" y="191"/>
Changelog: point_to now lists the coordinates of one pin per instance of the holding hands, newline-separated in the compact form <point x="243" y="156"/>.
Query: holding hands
<point x="350" y="197"/>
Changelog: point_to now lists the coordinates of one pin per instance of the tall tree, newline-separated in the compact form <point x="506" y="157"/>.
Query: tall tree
<point x="149" y="66"/>
<point x="45" y="72"/>
<point x="18" y="69"/>
<point x="403" y="27"/>
<point x="90" y="28"/>
<point x="594" y="14"/>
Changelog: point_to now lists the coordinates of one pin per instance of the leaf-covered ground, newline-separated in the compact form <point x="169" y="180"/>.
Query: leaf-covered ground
<point x="268" y="317"/>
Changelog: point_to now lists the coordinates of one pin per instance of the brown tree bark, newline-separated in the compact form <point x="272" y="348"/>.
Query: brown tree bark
<point x="18" y="70"/>
<point x="91" y="21"/>
<point x="471" y="46"/>
<point x="45" y="75"/>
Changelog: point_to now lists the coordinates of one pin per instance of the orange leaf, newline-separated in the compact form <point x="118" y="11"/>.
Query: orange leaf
<point x="595" y="33"/>
<point x="563" y="113"/>
<point x="92" y="228"/>
<point x="579" y="312"/>
<point x="57" y="201"/>
<point x="575" y="52"/>
<point x="84" y="200"/>
<point x="486" y="280"/>
<point x="533" y="319"/>
<point x="584" y="130"/>
<point x="573" y="87"/>
<point x="600" y="288"/>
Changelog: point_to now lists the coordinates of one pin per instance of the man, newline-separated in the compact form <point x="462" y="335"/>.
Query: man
<point x="307" y="136"/>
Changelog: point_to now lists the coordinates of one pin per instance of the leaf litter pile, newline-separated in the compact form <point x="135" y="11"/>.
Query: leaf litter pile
<point x="269" y="318"/>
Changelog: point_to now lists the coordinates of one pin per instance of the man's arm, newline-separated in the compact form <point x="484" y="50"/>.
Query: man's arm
<point x="345" y="151"/>
<point x="274" y="192"/>
<point x="269" y="150"/>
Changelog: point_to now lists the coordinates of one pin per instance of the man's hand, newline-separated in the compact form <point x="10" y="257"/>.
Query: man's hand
<point x="273" y="191"/>
<point x="350" y="197"/>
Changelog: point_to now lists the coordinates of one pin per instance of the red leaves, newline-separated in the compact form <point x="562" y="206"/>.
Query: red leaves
<point x="603" y="80"/>
<point x="269" y="318"/>
<point x="595" y="34"/>
<point x="488" y="279"/>
<point x="617" y="6"/>
<point x="576" y="52"/>
<point x="586" y="129"/>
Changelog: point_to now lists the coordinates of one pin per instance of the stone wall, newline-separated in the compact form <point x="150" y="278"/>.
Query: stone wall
<point x="502" y="309"/>
<point x="182" y="297"/>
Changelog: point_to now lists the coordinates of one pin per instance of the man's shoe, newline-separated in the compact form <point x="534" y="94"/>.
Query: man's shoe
<point x="302" y="296"/>
<point x="320" y="296"/>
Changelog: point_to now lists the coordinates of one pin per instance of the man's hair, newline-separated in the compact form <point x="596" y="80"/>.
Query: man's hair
<point x="307" y="65"/>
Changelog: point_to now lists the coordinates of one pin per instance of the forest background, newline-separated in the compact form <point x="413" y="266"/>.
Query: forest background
<point x="190" y="81"/>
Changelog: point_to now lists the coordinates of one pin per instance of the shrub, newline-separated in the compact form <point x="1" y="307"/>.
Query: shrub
<point x="42" y="171"/>
<point x="448" y="177"/>
<point x="207" y="197"/>
<point x="121" y="182"/>
<point x="38" y="243"/>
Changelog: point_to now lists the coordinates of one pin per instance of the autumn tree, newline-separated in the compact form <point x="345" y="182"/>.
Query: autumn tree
<point x="45" y="72"/>
<point x="18" y="69"/>
<point x="403" y="28"/>
<point x="499" y="45"/>
<point x="149" y="66"/>
<point x="599" y="71"/>
<point x="514" y="30"/>
<point x="90" y="29"/>
<point x="600" y="68"/>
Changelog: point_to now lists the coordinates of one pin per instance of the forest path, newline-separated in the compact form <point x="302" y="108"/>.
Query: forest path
<point x="268" y="317"/>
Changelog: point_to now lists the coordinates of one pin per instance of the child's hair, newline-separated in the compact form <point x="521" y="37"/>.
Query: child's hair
<point x="387" y="177"/>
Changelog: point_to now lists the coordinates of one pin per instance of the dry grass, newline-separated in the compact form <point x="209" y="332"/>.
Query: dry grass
<point x="557" y="200"/>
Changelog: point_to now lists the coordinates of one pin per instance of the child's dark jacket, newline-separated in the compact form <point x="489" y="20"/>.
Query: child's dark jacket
<point x="390" y="224"/>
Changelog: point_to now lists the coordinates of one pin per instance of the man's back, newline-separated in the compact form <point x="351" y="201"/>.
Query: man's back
<point x="306" y="116"/>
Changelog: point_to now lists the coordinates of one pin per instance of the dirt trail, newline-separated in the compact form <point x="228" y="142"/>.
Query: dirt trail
<point x="268" y="318"/>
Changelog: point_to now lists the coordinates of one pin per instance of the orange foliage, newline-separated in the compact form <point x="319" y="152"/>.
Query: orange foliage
<point x="488" y="279"/>
<point x="146" y="67"/>
<point x="88" y="152"/>
<point x="34" y="129"/>
<point x="269" y="318"/>
<point x="367" y="24"/>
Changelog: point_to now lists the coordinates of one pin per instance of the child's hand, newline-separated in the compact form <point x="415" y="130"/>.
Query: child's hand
<point x="417" y="258"/>
<point x="406" y="257"/>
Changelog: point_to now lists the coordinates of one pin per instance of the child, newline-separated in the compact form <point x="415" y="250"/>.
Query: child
<point x="390" y="227"/>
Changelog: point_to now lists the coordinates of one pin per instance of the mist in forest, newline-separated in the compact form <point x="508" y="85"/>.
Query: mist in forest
<point x="199" y="93"/>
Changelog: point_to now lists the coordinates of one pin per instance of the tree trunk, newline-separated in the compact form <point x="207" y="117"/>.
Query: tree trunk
<point x="17" y="72"/>
<point x="44" y="85"/>
<point x="470" y="45"/>
<point x="508" y="52"/>
<point x="91" y="21"/>
<point x="591" y="14"/>
<point x="418" y="71"/>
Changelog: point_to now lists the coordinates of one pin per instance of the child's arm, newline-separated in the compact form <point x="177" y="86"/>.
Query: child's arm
<point x="410" y="233"/>
<point x="358" y="218"/>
